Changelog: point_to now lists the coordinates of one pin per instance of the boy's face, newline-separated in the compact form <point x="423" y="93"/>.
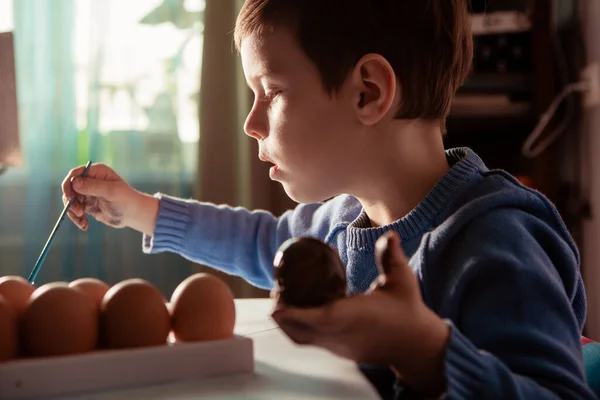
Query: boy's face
<point x="306" y="133"/>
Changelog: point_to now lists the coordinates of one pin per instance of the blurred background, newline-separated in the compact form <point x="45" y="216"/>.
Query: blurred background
<point x="155" y="89"/>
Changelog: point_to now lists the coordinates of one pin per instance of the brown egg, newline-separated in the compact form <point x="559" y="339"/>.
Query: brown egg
<point x="59" y="320"/>
<point x="9" y="332"/>
<point x="94" y="288"/>
<point x="308" y="273"/>
<point x="16" y="291"/>
<point x="202" y="308"/>
<point x="133" y="313"/>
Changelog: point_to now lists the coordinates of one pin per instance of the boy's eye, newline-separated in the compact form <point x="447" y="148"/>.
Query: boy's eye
<point x="269" y="97"/>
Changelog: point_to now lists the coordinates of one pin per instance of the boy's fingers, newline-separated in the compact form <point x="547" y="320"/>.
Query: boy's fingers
<point x="73" y="217"/>
<point x="330" y="319"/>
<point x="93" y="187"/>
<point x="390" y="259"/>
<point x="299" y="332"/>
<point x="80" y="222"/>
<point x="76" y="207"/>
<point x="309" y="318"/>
<point x="67" y="194"/>
<point x="66" y="183"/>
<point x="316" y="319"/>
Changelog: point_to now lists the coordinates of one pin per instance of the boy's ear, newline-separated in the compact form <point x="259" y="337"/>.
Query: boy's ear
<point x="376" y="85"/>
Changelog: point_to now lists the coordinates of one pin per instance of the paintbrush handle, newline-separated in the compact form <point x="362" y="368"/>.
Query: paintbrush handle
<point x="44" y="253"/>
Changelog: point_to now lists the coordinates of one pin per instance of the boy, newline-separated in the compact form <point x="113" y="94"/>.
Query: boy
<point x="350" y="104"/>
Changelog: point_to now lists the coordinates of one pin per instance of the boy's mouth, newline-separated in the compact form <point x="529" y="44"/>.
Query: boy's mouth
<point x="264" y="158"/>
<point x="274" y="168"/>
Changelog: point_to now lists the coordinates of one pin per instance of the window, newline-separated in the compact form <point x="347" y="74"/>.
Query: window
<point x="135" y="77"/>
<point x="147" y="67"/>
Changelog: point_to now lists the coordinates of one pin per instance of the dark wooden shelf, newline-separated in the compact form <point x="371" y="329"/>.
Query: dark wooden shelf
<point x="494" y="114"/>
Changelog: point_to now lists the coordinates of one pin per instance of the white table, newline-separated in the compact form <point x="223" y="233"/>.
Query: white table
<point x="283" y="370"/>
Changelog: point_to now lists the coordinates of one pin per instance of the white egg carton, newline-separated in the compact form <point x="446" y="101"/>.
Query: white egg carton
<point x="118" y="369"/>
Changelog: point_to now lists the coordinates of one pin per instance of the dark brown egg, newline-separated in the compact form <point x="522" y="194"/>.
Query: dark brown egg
<point x="308" y="273"/>
<point x="59" y="320"/>
<point x="16" y="291"/>
<point x="133" y="313"/>
<point x="93" y="288"/>
<point x="9" y="331"/>
<point x="202" y="308"/>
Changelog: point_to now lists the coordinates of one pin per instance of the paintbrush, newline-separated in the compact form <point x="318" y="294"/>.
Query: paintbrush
<point x="42" y="257"/>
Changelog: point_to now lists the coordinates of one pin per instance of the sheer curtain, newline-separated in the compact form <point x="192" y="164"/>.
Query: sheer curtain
<point x="112" y="81"/>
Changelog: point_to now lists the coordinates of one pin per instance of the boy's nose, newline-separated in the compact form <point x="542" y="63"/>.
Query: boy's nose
<point x="255" y="126"/>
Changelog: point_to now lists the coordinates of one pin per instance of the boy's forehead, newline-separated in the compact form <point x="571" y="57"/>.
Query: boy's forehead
<point x="268" y="53"/>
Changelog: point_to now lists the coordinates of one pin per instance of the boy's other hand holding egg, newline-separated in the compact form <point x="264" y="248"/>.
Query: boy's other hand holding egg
<point x="409" y="336"/>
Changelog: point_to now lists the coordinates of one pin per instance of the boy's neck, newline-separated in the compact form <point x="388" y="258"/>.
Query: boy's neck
<point x="405" y="162"/>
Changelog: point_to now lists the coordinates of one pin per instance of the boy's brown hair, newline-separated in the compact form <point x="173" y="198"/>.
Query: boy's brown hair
<point x="427" y="42"/>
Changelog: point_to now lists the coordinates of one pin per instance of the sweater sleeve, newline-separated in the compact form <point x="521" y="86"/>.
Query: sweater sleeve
<point x="514" y="333"/>
<point x="233" y="240"/>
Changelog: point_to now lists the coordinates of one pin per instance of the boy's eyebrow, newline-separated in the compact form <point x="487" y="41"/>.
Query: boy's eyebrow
<point x="251" y="80"/>
<point x="267" y="72"/>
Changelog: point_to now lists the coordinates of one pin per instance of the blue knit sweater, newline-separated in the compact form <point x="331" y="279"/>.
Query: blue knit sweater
<point x="494" y="259"/>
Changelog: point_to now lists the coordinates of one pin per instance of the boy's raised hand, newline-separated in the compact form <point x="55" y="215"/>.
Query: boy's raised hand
<point x="104" y="195"/>
<point x="388" y="325"/>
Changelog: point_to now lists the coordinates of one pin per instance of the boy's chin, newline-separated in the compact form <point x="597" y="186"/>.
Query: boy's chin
<point x="304" y="195"/>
